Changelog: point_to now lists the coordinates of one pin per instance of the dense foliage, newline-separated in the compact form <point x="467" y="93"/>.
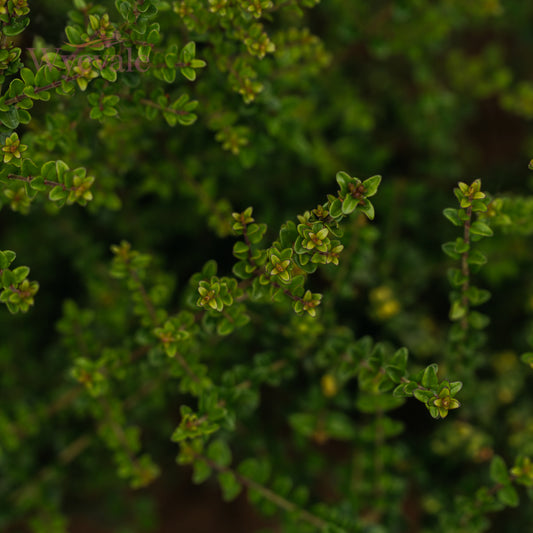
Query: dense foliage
<point x="283" y="243"/>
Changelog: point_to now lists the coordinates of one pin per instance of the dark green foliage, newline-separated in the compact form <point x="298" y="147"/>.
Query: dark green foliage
<point x="315" y="351"/>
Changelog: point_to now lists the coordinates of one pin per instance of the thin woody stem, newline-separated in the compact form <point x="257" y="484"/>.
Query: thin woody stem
<point x="465" y="270"/>
<point x="36" y="90"/>
<point x="270" y="495"/>
<point x="29" y="179"/>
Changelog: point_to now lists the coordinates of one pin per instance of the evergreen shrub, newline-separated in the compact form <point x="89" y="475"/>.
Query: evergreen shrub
<point x="222" y="279"/>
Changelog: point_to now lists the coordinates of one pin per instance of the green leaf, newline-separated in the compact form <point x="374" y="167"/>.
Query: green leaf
<point x="10" y="118"/>
<point x="368" y="209"/>
<point x="8" y="278"/>
<point x="229" y="485"/>
<point x="188" y="119"/>
<point x="257" y="470"/>
<point x="480" y="228"/>
<point x="17" y="26"/>
<point x="73" y="35"/>
<point x="455" y="387"/>
<point x="144" y="53"/>
<point x="477" y="296"/>
<point x="410" y="387"/>
<point x="210" y="268"/>
<point x="475" y="257"/>
<point x="153" y="36"/>
<point x="198" y="63"/>
<point x="343" y="179"/>
<point x="527" y="358"/>
<point x="453" y="216"/>
<point x="394" y="373"/>
<point x="478" y="320"/>
<point x="189" y="73"/>
<point x="508" y="496"/>
<point x="400" y="392"/>
<point x="255" y="232"/>
<point x="219" y="452"/>
<point x="240" y="250"/>
<point x="461" y="246"/>
<point x="498" y="471"/>
<point x="109" y="74"/>
<point x="10" y="255"/>
<point x="27" y="103"/>
<point x="61" y="168"/>
<point x="96" y="113"/>
<point x="240" y="270"/>
<point x="171" y="118"/>
<point x="171" y="56"/>
<point x="335" y="209"/>
<point x="21" y="273"/>
<point x="282" y="485"/>
<point x="449" y="249"/>
<point x="433" y="411"/>
<point x="201" y="471"/>
<point x="188" y="52"/>
<point x="423" y="395"/>
<point x="429" y="378"/>
<point x="225" y="327"/>
<point x="57" y="194"/>
<point x="4" y="263"/>
<point x="29" y="168"/>
<point x="339" y="426"/>
<point x="110" y="111"/>
<point x="24" y="116"/>
<point x="16" y="88"/>
<point x="303" y="423"/>
<point x="479" y="206"/>
<point x="12" y="308"/>
<point x="371" y="186"/>
<point x="349" y="204"/>
<point x="48" y="171"/>
<point x="457" y="311"/>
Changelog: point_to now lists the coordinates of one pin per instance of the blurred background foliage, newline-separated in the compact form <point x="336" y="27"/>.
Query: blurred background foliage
<point x="423" y="92"/>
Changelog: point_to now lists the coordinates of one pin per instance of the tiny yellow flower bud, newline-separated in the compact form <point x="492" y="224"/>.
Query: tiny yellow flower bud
<point x="329" y="386"/>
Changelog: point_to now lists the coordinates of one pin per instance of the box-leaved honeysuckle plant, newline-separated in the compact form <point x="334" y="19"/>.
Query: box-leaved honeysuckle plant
<point x="278" y="249"/>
